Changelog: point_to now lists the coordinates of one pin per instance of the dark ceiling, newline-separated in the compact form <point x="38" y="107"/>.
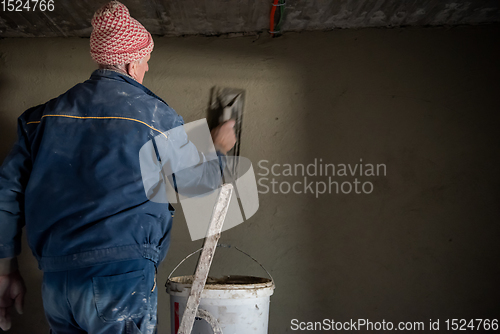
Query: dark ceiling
<point x="214" y="17"/>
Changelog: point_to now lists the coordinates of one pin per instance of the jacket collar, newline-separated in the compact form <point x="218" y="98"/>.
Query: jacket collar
<point x="115" y="75"/>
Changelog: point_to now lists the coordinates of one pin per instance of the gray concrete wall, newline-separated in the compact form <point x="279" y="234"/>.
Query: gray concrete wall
<point x="424" y="102"/>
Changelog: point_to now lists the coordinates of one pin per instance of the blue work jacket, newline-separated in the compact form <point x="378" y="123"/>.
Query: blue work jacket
<point x="73" y="177"/>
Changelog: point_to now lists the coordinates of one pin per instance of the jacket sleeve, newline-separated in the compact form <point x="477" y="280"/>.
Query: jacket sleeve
<point x="195" y="172"/>
<point x="173" y="159"/>
<point x="14" y="175"/>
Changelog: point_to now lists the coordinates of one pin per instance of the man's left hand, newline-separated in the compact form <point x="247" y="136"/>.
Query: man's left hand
<point x="12" y="291"/>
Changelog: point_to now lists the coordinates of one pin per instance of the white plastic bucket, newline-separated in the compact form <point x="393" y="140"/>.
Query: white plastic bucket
<point x="229" y="305"/>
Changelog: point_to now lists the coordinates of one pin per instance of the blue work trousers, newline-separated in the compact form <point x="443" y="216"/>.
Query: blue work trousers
<point x="117" y="297"/>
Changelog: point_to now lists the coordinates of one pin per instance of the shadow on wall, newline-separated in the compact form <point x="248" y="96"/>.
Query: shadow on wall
<point x="8" y="128"/>
<point x="421" y="245"/>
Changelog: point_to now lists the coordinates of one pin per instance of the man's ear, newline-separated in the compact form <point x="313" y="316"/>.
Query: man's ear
<point x="132" y="69"/>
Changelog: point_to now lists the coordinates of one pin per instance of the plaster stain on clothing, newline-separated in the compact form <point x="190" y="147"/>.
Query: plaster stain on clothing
<point x="150" y="327"/>
<point x="122" y="318"/>
<point x="124" y="314"/>
<point x="155" y="110"/>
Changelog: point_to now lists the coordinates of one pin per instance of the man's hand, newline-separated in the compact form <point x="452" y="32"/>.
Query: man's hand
<point x="12" y="290"/>
<point x="223" y="136"/>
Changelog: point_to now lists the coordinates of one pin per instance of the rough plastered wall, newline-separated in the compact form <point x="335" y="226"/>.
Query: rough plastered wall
<point x="423" y="244"/>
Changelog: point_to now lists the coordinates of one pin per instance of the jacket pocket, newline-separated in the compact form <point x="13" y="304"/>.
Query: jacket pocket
<point x="121" y="297"/>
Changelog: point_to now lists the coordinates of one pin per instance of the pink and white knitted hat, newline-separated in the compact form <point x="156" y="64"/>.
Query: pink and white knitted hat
<point x="118" y="38"/>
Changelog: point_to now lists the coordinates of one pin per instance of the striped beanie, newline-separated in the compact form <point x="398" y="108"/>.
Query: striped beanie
<point x="118" y="38"/>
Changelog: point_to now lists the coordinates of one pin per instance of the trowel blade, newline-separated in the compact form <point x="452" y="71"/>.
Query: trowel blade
<point x="228" y="103"/>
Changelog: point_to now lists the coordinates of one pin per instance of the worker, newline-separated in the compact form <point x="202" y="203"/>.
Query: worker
<point x="73" y="179"/>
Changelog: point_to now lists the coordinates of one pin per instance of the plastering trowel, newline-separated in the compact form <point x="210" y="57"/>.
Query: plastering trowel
<point x="226" y="104"/>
